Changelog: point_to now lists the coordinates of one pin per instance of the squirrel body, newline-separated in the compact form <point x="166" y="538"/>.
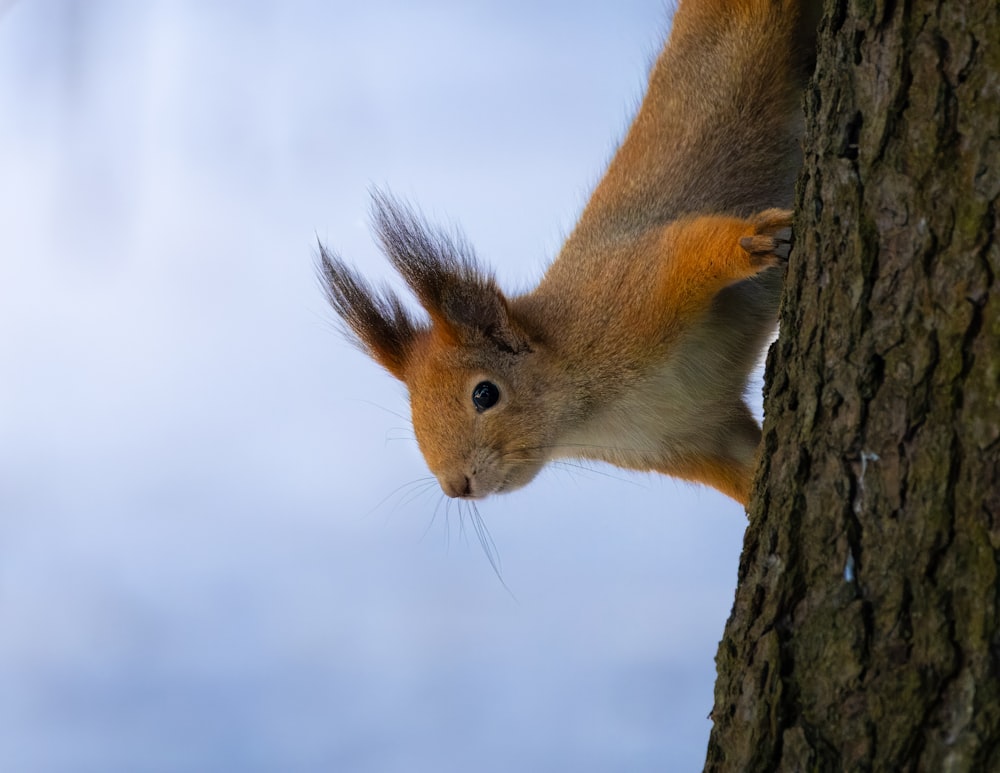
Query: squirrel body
<point x="636" y="346"/>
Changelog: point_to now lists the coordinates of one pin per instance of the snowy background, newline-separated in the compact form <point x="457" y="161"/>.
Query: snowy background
<point x="210" y="556"/>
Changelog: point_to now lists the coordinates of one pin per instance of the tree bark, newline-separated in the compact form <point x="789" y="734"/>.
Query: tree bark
<point x="865" y="633"/>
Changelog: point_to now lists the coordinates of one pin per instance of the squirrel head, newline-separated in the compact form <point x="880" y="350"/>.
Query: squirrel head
<point x="474" y="372"/>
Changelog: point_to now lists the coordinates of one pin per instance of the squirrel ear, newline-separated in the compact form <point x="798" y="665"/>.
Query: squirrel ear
<point x="375" y="321"/>
<point x="442" y="271"/>
<point x="479" y="309"/>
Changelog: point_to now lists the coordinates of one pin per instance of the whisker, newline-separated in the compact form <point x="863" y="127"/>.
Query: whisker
<point x="489" y="546"/>
<point x="485" y="538"/>
<point x="403" y="490"/>
<point x="563" y="464"/>
<point x="581" y="446"/>
<point x="447" y="522"/>
<point x="421" y="487"/>
<point x="380" y="407"/>
<point x="406" y="434"/>
<point x="463" y="508"/>
<point x="413" y="490"/>
<point x="579" y="463"/>
<point x="431" y="522"/>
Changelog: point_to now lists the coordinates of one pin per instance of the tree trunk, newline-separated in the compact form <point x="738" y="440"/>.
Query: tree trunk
<point x="865" y="634"/>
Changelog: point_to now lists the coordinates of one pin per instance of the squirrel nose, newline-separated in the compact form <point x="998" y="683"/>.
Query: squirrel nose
<point x="457" y="486"/>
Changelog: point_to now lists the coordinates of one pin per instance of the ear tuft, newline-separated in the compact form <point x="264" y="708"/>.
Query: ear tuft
<point x="443" y="273"/>
<point x="375" y="321"/>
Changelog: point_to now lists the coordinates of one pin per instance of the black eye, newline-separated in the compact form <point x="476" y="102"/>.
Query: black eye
<point x="485" y="395"/>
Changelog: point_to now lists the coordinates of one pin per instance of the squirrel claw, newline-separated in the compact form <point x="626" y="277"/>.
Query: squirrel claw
<point x="771" y="240"/>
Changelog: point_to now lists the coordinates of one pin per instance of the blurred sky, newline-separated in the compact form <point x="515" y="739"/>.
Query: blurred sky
<point x="213" y="552"/>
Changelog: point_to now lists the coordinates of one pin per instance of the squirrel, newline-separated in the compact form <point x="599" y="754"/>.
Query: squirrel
<point x="636" y="346"/>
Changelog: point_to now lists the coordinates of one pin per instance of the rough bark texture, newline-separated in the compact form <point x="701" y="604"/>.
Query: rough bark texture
<point x="865" y="634"/>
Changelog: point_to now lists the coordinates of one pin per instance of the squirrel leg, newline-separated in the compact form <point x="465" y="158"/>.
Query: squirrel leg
<point x="704" y="254"/>
<point x="731" y="469"/>
<point x="771" y="240"/>
<point x="726" y="475"/>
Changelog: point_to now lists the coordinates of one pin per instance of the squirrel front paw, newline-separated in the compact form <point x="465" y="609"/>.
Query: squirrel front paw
<point x="770" y="238"/>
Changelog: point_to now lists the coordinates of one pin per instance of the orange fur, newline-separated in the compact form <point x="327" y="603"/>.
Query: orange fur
<point x="636" y="345"/>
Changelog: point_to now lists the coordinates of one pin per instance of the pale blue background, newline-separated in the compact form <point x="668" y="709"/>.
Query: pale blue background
<point x="209" y="558"/>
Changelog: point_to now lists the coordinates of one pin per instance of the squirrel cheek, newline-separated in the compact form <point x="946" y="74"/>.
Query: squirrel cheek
<point x="434" y="451"/>
<point x="438" y="439"/>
